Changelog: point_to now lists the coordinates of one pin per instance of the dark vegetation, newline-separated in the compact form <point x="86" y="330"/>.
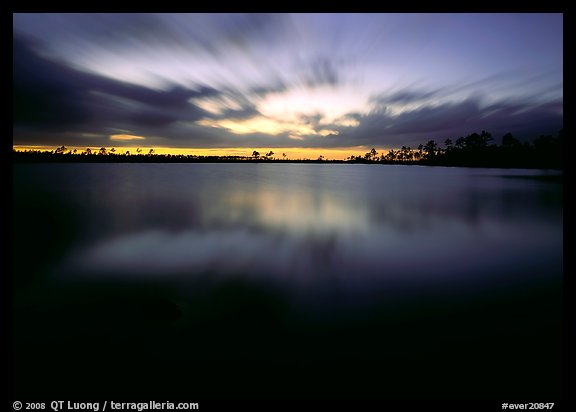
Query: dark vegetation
<point x="474" y="150"/>
<point x="478" y="150"/>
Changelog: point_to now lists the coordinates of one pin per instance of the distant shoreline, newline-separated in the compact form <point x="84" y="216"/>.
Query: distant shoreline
<point x="50" y="157"/>
<point x="474" y="150"/>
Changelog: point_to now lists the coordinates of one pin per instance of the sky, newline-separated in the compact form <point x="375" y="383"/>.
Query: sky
<point x="298" y="83"/>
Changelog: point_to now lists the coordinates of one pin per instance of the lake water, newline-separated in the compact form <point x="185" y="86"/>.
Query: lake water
<point x="325" y="240"/>
<point x="356" y="226"/>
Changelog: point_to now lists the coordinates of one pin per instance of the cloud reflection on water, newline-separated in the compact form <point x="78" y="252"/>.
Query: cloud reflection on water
<point x="358" y="227"/>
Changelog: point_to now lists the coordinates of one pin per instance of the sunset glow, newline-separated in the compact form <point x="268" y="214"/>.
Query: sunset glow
<point x="125" y="137"/>
<point x="327" y="206"/>
<point x="292" y="153"/>
<point x="316" y="83"/>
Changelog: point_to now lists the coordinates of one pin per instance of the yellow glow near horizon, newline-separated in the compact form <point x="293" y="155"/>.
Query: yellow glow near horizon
<point x="292" y="153"/>
<point x="125" y="137"/>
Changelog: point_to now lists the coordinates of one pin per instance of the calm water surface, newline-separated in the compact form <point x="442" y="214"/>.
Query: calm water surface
<point x="287" y="280"/>
<point x="303" y="225"/>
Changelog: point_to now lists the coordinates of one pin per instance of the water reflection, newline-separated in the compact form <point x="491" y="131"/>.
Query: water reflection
<point x="296" y="212"/>
<point x="360" y="224"/>
<point x="291" y="276"/>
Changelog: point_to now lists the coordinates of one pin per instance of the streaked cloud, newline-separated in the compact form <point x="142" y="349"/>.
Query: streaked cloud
<point x="125" y="137"/>
<point x="282" y="80"/>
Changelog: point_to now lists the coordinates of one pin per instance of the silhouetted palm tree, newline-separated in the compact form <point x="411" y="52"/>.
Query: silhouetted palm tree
<point x="431" y="149"/>
<point x="405" y="153"/>
<point x="391" y="155"/>
<point x="510" y="142"/>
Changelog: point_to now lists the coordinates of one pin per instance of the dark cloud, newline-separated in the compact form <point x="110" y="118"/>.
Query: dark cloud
<point x="111" y="28"/>
<point x="211" y="33"/>
<point x="174" y="98"/>
<point x="451" y="120"/>
<point x="275" y="86"/>
<point x="45" y="94"/>
<point x="321" y="71"/>
<point x="54" y="103"/>
<point x="51" y="96"/>
<point x="381" y="129"/>
<point x="311" y="119"/>
<point x="238" y="114"/>
<point x="404" y="96"/>
<point x="244" y="29"/>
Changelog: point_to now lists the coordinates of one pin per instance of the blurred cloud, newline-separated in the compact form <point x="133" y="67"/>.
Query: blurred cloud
<point x="451" y="120"/>
<point x="125" y="137"/>
<point x="274" y="80"/>
<point x="322" y="71"/>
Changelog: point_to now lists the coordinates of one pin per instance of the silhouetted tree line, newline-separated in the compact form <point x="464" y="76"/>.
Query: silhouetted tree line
<point x="477" y="150"/>
<point x="474" y="150"/>
<point x="63" y="154"/>
<point x="103" y="155"/>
